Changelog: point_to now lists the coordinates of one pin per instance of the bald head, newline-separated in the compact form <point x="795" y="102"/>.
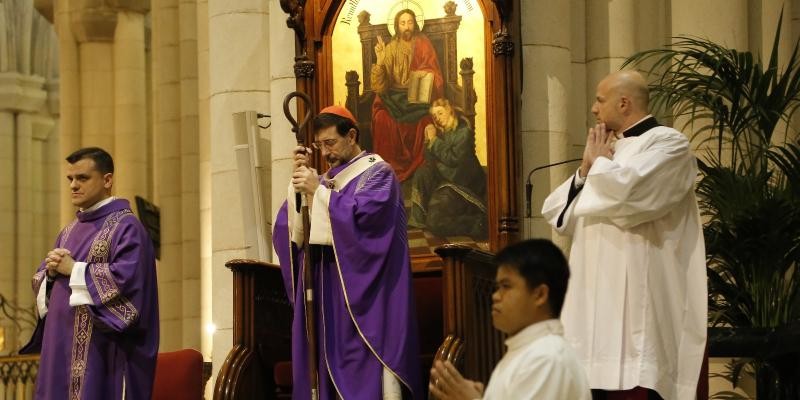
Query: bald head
<point x="630" y="84"/>
<point x="622" y="100"/>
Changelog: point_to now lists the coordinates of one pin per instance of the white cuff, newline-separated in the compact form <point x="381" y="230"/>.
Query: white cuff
<point x="578" y="180"/>
<point x="77" y="282"/>
<point x="41" y="297"/>
<point x="321" y="232"/>
<point x="391" y="386"/>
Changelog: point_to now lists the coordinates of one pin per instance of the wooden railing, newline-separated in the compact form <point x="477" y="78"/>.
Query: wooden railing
<point x="18" y="376"/>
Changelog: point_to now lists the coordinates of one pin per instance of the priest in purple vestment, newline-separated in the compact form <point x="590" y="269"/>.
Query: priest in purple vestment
<point x="97" y="295"/>
<point x="367" y="338"/>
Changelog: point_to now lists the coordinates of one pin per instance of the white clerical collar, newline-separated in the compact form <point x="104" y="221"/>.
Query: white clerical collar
<point x="99" y="204"/>
<point x="535" y="331"/>
<point x="353" y="169"/>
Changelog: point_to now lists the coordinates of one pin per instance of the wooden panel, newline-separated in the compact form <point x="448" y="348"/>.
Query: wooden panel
<point x="468" y="278"/>
<point x="262" y="322"/>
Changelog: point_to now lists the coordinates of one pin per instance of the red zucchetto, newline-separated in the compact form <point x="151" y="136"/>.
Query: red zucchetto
<point x="340" y="111"/>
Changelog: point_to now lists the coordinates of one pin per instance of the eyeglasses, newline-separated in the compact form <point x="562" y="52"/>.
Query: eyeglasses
<point x="327" y="143"/>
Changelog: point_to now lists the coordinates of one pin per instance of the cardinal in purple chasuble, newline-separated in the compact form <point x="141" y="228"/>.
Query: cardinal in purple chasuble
<point x="365" y="317"/>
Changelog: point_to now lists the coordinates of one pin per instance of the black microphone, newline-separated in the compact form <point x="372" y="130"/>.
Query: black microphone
<point x="529" y="185"/>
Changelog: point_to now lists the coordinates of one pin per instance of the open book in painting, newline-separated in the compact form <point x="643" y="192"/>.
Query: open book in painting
<point x="420" y="87"/>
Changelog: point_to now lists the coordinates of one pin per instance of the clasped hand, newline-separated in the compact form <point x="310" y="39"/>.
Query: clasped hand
<point x="599" y="143"/>
<point x="59" y="261"/>
<point x="304" y="179"/>
<point x="448" y="384"/>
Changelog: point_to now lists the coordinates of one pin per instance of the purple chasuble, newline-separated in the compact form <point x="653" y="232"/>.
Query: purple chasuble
<point x="94" y="351"/>
<point x="365" y="306"/>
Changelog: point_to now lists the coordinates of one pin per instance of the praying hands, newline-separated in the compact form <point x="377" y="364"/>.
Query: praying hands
<point x="447" y="383"/>
<point x="59" y="261"/>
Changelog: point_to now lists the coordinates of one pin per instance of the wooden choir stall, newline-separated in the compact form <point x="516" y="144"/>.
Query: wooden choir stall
<point x="454" y="299"/>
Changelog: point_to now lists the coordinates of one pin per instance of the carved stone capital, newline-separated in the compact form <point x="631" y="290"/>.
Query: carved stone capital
<point x="303" y="67"/>
<point x="139" y="6"/>
<point x="96" y="20"/>
<point x="21" y="93"/>
<point x="502" y="45"/>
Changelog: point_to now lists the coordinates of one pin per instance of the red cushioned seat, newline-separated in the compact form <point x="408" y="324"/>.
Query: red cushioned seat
<point x="179" y="376"/>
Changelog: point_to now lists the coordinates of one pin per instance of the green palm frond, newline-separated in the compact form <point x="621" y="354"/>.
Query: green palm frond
<point x="743" y="100"/>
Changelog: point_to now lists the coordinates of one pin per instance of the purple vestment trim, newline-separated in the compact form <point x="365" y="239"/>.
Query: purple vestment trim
<point x="83" y="325"/>
<point x="110" y="295"/>
<point x="82" y="332"/>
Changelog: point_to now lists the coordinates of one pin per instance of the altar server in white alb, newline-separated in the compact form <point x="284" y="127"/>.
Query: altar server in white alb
<point x="635" y="311"/>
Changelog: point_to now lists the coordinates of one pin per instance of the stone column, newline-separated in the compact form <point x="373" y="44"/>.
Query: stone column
<point x="167" y="138"/>
<point x="794" y="16"/>
<point x="728" y="27"/>
<point x="34" y="239"/>
<point x="238" y="33"/>
<point x="283" y="82"/>
<point x="763" y="22"/>
<point x="70" y="101"/>
<point x="25" y="123"/>
<point x="204" y="159"/>
<point x="190" y="180"/>
<point x="103" y="83"/>
<point x="97" y="92"/>
<point x="130" y="101"/>
<point x="610" y="39"/>
<point x="8" y="237"/>
<point x="26" y="260"/>
<point x="545" y="99"/>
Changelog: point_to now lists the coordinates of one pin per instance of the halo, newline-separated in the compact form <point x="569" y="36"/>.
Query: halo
<point x="402" y="5"/>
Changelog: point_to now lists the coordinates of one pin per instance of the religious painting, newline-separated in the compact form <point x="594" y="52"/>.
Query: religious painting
<point x="413" y="74"/>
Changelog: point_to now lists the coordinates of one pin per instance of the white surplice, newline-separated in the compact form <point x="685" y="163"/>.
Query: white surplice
<point x="636" y="307"/>
<point x="539" y="365"/>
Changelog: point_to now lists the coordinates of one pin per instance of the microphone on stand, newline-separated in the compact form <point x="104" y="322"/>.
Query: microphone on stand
<point x="529" y="185"/>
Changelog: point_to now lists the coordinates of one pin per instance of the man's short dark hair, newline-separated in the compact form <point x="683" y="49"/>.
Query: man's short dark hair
<point x="539" y="261"/>
<point x="102" y="160"/>
<point x="342" y="124"/>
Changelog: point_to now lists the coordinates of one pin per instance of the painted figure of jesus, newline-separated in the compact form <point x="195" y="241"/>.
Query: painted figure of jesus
<point x="399" y="116"/>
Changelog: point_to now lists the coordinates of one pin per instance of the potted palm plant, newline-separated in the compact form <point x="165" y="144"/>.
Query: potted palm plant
<point x="749" y="193"/>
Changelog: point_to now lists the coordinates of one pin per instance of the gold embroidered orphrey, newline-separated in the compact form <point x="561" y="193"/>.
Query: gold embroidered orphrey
<point x="82" y="329"/>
